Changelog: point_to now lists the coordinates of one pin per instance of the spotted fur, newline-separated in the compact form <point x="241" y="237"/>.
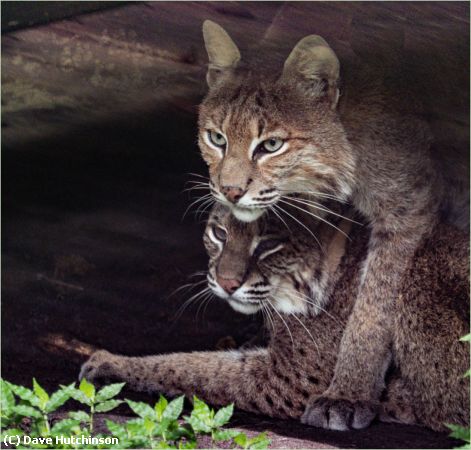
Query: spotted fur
<point x="367" y="145"/>
<point x="425" y="385"/>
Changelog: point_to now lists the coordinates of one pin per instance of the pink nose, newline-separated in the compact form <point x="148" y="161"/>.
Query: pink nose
<point x="232" y="193"/>
<point x="230" y="286"/>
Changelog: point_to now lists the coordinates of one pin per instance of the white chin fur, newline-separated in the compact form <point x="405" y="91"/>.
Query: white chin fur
<point x="247" y="215"/>
<point x="244" y="308"/>
<point x="286" y="306"/>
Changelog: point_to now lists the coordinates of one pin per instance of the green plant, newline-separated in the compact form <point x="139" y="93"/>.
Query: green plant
<point x="457" y="431"/>
<point x="34" y="403"/>
<point x="462" y="433"/>
<point x="156" y="427"/>
<point x="25" y="415"/>
<point x="98" y="402"/>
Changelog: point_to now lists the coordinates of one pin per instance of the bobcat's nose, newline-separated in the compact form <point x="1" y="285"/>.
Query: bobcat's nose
<point x="232" y="193"/>
<point x="230" y="286"/>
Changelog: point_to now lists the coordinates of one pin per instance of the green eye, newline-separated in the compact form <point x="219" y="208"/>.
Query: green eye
<point x="272" y="145"/>
<point x="217" y="139"/>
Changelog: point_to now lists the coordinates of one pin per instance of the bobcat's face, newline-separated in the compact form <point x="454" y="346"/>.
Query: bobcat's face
<point x="265" y="138"/>
<point x="262" y="142"/>
<point x="255" y="266"/>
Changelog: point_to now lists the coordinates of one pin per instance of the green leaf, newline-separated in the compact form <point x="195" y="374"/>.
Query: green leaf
<point x="201" y="418"/>
<point x="66" y="427"/>
<point x="460" y="432"/>
<point x="241" y="440"/>
<point x="160" y="407"/>
<point x="163" y="444"/>
<point x="116" y="429"/>
<point x="8" y="400"/>
<point x="27" y="411"/>
<point x="174" y="408"/>
<point x="108" y="405"/>
<point x="223" y="415"/>
<point x="258" y="442"/>
<point x="24" y="393"/>
<point x="57" y="399"/>
<point x="199" y="425"/>
<point x="467" y="373"/>
<point x="149" y="425"/>
<point x="77" y="395"/>
<point x="87" y="388"/>
<point x="141" y="409"/>
<point x="201" y="410"/>
<point x="467" y="337"/>
<point x="187" y="444"/>
<point x="11" y="432"/>
<point x="135" y="426"/>
<point x="224" y="435"/>
<point x="81" y="416"/>
<point x="163" y="427"/>
<point x="109" y="392"/>
<point x="41" y="394"/>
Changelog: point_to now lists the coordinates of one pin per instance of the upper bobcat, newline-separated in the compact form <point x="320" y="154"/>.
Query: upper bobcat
<point x="306" y="294"/>
<point x="267" y="135"/>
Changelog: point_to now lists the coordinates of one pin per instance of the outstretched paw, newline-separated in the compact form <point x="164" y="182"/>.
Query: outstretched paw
<point x="339" y="414"/>
<point x="99" y="368"/>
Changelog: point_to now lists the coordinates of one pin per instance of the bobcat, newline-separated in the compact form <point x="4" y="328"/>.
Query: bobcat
<point x="305" y="290"/>
<point x="266" y="136"/>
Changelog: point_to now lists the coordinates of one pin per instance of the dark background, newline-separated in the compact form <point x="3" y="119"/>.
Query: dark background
<point x="99" y="108"/>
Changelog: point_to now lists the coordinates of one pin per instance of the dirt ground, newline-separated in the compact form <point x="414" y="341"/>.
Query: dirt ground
<point x="92" y="247"/>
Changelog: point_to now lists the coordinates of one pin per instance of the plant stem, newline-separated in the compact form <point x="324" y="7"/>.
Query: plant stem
<point x="151" y="440"/>
<point x="92" y="411"/>
<point x="46" y="421"/>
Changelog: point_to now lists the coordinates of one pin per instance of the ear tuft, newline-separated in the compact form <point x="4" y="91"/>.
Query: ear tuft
<point x="222" y="52"/>
<point x="313" y="59"/>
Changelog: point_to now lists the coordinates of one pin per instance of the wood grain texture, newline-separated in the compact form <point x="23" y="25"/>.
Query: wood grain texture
<point x="124" y="60"/>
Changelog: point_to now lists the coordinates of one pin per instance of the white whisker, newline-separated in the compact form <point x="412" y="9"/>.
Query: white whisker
<point x="198" y="175"/>
<point x="307" y="331"/>
<point x="266" y="311"/>
<point x="195" y="188"/>
<point x="187" y="286"/>
<point x="300" y="296"/>
<point x="198" y="200"/>
<point x="204" y="301"/>
<point x="272" y="209"/>
<point x="203" y="208"/>
<point x="319" y="206"/>
<point x="316" y="216"/>
<point x="315" y="194"/>
<point x="283" y="320"/>
<point x="302" y="224"/>
<point x="189" y="301"/>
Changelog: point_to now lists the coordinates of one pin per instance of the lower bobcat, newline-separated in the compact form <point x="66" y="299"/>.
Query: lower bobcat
<point x="290" y="277"/>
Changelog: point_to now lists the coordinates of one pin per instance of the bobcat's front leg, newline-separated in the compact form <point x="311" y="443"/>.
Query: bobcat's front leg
<point x="219" y="378"/>
<point x="352" y="399"/>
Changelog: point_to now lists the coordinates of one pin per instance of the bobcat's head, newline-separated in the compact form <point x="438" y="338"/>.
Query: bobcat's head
<point x="266" y="136"/>
<point x="261" y="264"/>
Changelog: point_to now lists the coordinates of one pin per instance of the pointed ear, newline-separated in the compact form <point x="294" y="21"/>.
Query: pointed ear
<point x="223" y="54"/>
<point x="313" y="59"/>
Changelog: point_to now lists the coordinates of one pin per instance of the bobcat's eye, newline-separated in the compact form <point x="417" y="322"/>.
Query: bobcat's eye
<point x="272" y="145"/>
<point x="220" y="233"/>
<point x="217" y="139"/>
